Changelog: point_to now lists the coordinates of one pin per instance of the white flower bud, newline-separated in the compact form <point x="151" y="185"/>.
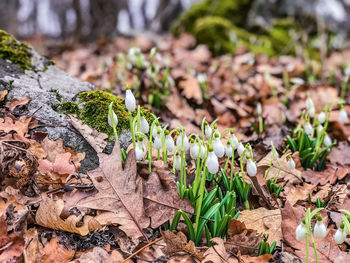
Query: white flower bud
<point x="202" y="78"/>
<point x="291" y="164"/>
<point x="343" y="116"/>
<point x="140" y="150"/>
<point x="115" y="119"/>
<point x="312" y="112"/>
<point x="327" y="141"/>
<point x="169" y="143"/>
<point x="308" y="128"/>
<point x="240" y="149"/>
<point x="219" y="148"/>
<point x="194" y="150"/>
<point x="203" y="151"/>
<point x="320" y="230"/>
<point x="208" y="130"/>
<point x="251" y="168"/>
<point x="234" y="141"/>
<point x="228" y="150"/>
<point x="340" y="235"/>
<point x="130" y="101"/>
<point x="155" y="131"/>
<point x="321" y="117"/>
<point x="144" y="126"/>
<point x="300" y="232"/>
<point x="185" y="143"/>
<point x="259" y="108"/>
<point x="212" y="163"/>
<point x="158" y="141"/>
<point x="319" y="128"/>
<point x="177" y="162"/>
<point x="297" y="81"/>
<point x="309" y="104"/>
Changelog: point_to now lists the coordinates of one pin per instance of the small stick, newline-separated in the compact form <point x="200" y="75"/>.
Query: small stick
<point x="138" y="251"/>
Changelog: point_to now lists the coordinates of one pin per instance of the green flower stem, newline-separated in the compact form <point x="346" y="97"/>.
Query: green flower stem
<point x="110" y="112"/>
<point x="132" y="130"/>
<point x="199" y="201"/>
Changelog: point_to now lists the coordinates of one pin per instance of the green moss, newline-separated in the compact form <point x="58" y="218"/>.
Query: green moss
<point x="92" y="109"/>
<point x="58" y="95"/>
<point x="15" y="51"/>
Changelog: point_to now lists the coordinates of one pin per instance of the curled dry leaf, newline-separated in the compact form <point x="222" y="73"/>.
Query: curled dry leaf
<point x="177" y="242"/>
<point x="191" y="88"/>
<point x="56" y="252"/>
<point x="264" y="221"/>
<point x="340" y="154"/>
<point x="161" y="198"/>
<point x="11" y="245"/>
<point x="120" y="192"/>
<point x="96" y="139"/>
<point x="3" y="94"/>
<point x="261" y="259"/>
<point x="298" y="193"/>
<point x="241" y="239"/>
<point x="98" y="254"/>
<point x="331" y="174"/>
<point x="11" y="105"/>
<point x="217" y="253"/>
<point x="49" y="212"/>
<point x="32" y="246"/>
<point x="20" y="126"/>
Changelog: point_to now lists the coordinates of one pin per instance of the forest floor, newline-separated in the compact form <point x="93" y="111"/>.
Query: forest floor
<point x="125" y="208"/>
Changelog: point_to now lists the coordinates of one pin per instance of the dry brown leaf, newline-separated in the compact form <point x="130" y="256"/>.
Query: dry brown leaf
<point x="241" y="239"/>
<point x="217" y="253"/>
<point x="340" y="154"/>
<point x="161" y="198"/>
<point x="11" y="105"/>
<point x="11" y="245"/>
<point x="98" y="254"/>
<point x="36" y="149"/>
<point x="32" y="246"/>
<point x="96" y="139"/>
<point x="293" y="176"/>
<point x="264" y="221"/>
<point x="11" y="124"/>
<point x="120" y="192"/>
<point x="299" y="193"/>
<point x="179" y="106"/>
<point x="55" y="252"/>
<point x="331" y="174"/>
<point x="49" y="212"/>
<point x="261" y="259"/>
<point x="177" y="242"/>
<point x="328" y="250"/>
<point x="3" y="94"/>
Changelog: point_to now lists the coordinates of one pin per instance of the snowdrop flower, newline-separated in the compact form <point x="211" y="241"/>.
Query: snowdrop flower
<point x="308" y="128"/>
<point x="194" y="150"/>
<point x="321" y="117"/>
<point x="185" y="142"/>
<point x="291" y="164"/>
<point x="177" y="162"/>
<point x="130" y="101"/>
<point x="228" y="149"/>
<point x="327" y="141"/>
<point x="158" y="140"/>
<point x="274" y="153"/>
<point x="319" y="128"/>
<point x="343" y="116"/>
<point x="340" y="235"/>
<point x="155" y="130"/>
<point x="297" y="81"/>
<point x="240" y="149"/>
<point x="312" y="112"/>
<point x="169" y="142"/>
<point x="140" y="150"/>
<point x="115" y="119"/>
<point x="234" y="141"/>
<point x="251" y="168"/>
<point x="144" y="126"/>
<point x="212" y="161"/>
<point x="309" y="104"/>
<point x="259" y="108"/>
<point x="320" y="230"/>
<point x="219" y="148"/>
<point x="208" y="130"/>
<point x="203" y="151"/>
<point x="202" y="78"/>
<point x="300" y="232"/>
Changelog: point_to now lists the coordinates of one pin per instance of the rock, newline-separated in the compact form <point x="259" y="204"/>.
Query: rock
<point x="47" y="85"/>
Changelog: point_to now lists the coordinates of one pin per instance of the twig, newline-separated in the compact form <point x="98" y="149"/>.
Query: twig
<point x="138" y="251"/>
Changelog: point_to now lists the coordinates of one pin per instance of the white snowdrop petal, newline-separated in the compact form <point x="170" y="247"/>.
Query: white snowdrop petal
<point x="343" y="116"/>
<point x="169" y="143"/>
<point x="194" y="150"/>
<point x="144" y="126"/>
<point x="240" y="149"/>
<point x="251" y="168"/>
<point x="130" y="101"/>
<point x="312" y="112"/>
<point x="158" y="142"/>
<point x="185" y="142"/>
<point x="300" y="232"/>
<point x="208" y="130"/>
<point x="219" y="148"/>
<point x="234" y="141"/>
<point x="212" y="163"/>
<point x="291" y="164"/>
<point x="309" y="104"/>
<point x="177" y="162"/>
<point x="308" y="128"/>
<point x="320" y="230"/>
<point x="115" y="118"/>
<point x="321" y="117"/>
<point x="319" y="128"/>
<point x="327" y="141"/>
<point x="228" y="151"/>
<point x="339" y="236"/>
<point x="140" y="151"/>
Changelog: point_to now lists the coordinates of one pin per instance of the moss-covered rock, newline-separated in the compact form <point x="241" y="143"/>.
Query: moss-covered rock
<point x="15" y="51"/>
<point x="92" y="109"/>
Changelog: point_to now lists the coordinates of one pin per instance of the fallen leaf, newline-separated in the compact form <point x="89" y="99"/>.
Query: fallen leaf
<point x="11" y="245"/>
<point x="177" y="242"/>
<point x="56" y="252"/>
<point x="11" y="124"/>
<point x="96" y="139"/>
<point x="11" y="105"/>
<point x="191" y="88"/>
<point x="261" y="259"/>
<point x="264" y="222"/>
<point x="3" y="94"/>
<point x="299" y="193"/>
<point x="330" y="175"/>
<point x="120" y="192"/>
<point x="161" y="198"/>
<point x="217" y="253"/>
<point x="32" y="246"/>
<point x="340" y="154"/>
<point x="98" y="254"/>
<point x="49" y="212"/>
